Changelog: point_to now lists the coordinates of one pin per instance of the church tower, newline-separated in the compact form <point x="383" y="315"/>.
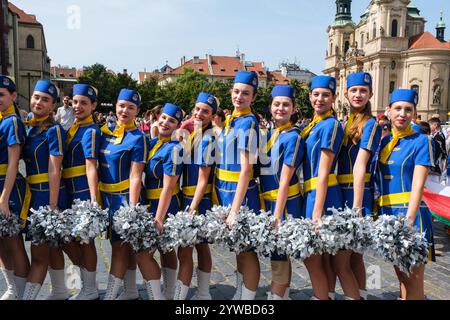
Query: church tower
<point x="440" y="29"/>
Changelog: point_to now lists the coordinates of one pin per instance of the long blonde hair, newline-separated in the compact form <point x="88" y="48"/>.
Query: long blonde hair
<point x="356" y="129"/>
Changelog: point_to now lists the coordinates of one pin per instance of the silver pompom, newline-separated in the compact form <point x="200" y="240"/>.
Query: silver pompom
<point x="182" y="229"/>
<point x="90" y="220"/>
<point x="263" y="234"/>
<point x="396" y="242"/>
<point x="299" y="238"/>
<point x="52" y="227"/>
<point x="135" y="225"/>
<point x="215" y="229"/>
<point x="9" y="227"/>
<point x="346" y="229"/>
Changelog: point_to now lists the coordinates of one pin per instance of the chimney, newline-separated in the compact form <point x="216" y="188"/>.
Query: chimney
<point x="196" y="59"/>
<point x="242" y="59"/>
<point x="125" y="71"/>
<point x="209" y="59"/>
<point x="183" y="60"/>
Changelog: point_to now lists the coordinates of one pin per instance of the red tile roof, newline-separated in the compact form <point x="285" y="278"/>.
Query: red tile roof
<point x="69" y="73"/>
<point x="426" y="40"/>
<point x="277" y="77"/>
<point x="222" y="66"/>
<point x="145" y="75"/>
<point x="23" y="16"/>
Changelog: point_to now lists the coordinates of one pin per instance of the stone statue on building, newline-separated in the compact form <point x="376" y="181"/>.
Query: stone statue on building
<point x="437" y="94"/>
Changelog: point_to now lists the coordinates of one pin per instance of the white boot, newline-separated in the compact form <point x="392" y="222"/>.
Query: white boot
<point x="112" y="288"/>
<point x="239" y="283"/>
<point x="154" y="290"/>
<point x="59" y="289"/>
<point x="332" y="295"/>
<point x="363" y="294"/>
<point x="89" y="289"/>
<point x="273" y="296"/>
<point x="31" y="291"/>
<point x="314" y="298"/>
<point x="20" y="285"/>
<point x="11" y="291"/>
<point x="248" y="294"/>
<point x="348" y="298"/>
<point x="181" y="291"/>
<point x="130" y="291"/>
<point x="169" y="282"/>
<point x="286" y="294"/>
<point x="202" y="292"/>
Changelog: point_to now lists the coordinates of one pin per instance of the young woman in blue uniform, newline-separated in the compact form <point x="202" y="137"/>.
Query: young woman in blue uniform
<point x="162" y="189"/>
<point x="235" y="183"/>
<point x="323" y="138"/>
<point x="122" y="157"/>
<point x="81" y="176"/>
<point x="43" y="155"/>
<point x="197" y="189"/>
<point x="15" y="195"/>
<point x="404" y="163"/>
<point x="361" y="141"/>
<point x="279" y="183"/>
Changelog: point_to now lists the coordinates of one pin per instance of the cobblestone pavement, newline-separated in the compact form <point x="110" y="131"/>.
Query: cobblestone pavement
<point x="437" y="280"/>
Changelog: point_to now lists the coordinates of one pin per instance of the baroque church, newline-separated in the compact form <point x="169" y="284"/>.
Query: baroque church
<point x="390" y="42"/>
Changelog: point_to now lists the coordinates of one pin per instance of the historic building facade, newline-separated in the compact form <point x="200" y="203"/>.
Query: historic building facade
<point x="389" y="41"/>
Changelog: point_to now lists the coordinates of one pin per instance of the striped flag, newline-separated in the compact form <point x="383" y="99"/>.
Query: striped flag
<point x="437" y="197"/>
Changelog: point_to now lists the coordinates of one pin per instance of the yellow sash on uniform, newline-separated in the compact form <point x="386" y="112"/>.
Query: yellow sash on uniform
<point x="347" y="127"/>
<point x="234" y="115"/>
<point x="9" y="111"/>
<point x="34" y="122"/>
<point x="387" y="150"/>
<point x="157" y="146"/>
<point x="119" y="130"/>
<point x="275" y="135"/>
<point x="74" y="128"/>
<point x="317" y="118"/>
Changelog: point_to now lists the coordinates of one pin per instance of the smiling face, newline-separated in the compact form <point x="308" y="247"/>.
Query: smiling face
<point x="167" y="125"/>
<point x="358" y="96"/>
<point x="203" y="113"/>
<point x="41" y="104"/>
<point x="242" y="96"/>
<point x="126" y="111"/>
<point x="83" y="107"/>
<point x="6" y="99"/>
<point x="282" y="109"/>
<point x="322" y="100"/>
<point x="401" y="114"/>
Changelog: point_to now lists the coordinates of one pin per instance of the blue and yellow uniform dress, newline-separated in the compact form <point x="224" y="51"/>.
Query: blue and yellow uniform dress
<point x="399" y="155"/>
<point x="120" y="145"/>
<point x="241" y="133"/>
<point x="201" y="155"/>
<point x="165" y="157"/>
<point x="285" y="147"/>
<point x="39" y="146"/>
<point x="12" y="132"/>
<point x="370" y="140"/>
<point x="83" y="142"/>
<point x="326" y="134"/>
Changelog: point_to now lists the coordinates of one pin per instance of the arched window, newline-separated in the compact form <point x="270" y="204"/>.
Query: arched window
<point x="30" y="42"/>
<point x="362" y="40"/>
<point x="331" y="49"/>
<point x="394" y="28"/>
<point x="391" y="86"/>
<point x="374" y="31"/>
<point x="415" y="87"/>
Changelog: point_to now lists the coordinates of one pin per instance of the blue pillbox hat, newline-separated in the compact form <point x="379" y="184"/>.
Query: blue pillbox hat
<point x="359" y="79"/>
<point x="325" y="82"/>
<point x="130" y="95"/>
<point x="47" y="87"/>
<point x="208" y="99"/>
<point x="7" y="83"/>
<point x="283" y="91"/>
<point x="247" y="77"/>
<point x="406" y="95"/>
<point x="85" y="90"/>
<point x="174" y="111"/>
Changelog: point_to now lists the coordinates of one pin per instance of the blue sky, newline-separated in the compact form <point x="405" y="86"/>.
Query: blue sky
<point x="136" y="34"/>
